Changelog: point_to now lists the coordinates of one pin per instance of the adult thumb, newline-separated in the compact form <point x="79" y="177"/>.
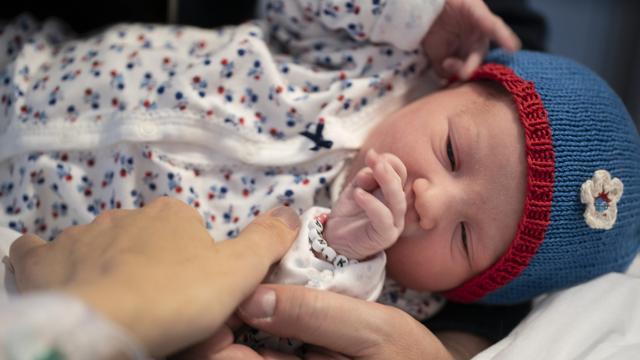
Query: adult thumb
<point x="333" y="321"/>
<point x="22" y="253"/>
<point x="264" y="241"/>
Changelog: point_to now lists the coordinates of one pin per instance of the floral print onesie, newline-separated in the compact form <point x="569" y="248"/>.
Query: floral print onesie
<point x="232" y="121"/>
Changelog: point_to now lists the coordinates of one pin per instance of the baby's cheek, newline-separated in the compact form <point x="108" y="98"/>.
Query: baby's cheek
<point x="417" y="264"/>
<point x="402" y="266"/>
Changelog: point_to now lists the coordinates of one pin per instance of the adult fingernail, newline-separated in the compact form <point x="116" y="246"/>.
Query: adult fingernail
<point x="7" y="262"/>
<point x="260" y="305"/>
<point x="288" y="216"/>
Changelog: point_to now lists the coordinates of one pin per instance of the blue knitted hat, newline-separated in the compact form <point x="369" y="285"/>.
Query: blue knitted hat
<point x="582" y="209"/>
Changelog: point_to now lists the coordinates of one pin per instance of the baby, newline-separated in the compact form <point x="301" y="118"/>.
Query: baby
<point x="494" y="190"/>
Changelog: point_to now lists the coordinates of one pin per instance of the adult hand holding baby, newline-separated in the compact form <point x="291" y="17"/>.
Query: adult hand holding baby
<point x="156" y="271"/>
<point x="335" y="326"/>
<point x="459" y="38"/>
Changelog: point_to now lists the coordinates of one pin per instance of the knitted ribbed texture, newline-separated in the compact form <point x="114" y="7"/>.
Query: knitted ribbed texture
<point x="540" y="178"/>
<point x="585" y="128"/>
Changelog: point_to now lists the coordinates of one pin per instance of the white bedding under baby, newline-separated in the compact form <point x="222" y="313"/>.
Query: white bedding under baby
<point x="596" y="320"/>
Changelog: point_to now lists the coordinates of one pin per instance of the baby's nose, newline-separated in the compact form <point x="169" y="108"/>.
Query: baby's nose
<point x="424" y="204"/>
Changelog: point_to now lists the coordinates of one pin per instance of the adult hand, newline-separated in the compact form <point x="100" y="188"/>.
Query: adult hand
<point x="339" y="327"/>
<point x="156" y="271"/>
<point x="459" y="38"/>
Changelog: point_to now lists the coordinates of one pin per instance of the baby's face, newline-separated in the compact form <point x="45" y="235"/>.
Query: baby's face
<point x="464" y="152"/>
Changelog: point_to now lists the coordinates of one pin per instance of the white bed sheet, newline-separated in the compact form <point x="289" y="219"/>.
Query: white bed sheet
<point x="596" y="320"/>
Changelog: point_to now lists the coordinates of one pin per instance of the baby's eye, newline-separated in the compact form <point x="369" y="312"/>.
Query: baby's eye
<point x="450" y="154"/>
<point x="463" y="235"/>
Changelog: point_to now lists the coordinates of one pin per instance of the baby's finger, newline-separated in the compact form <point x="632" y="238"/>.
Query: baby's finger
<point x="365" y="180"/>
<point x="397" y="165"/>
<point x="391" y="185"/>
<point x="379" y="215"/>
<point x="371" y="158"/>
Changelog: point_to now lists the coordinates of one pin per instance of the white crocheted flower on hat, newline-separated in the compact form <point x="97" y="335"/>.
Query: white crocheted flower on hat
<point x="601" y="195"/>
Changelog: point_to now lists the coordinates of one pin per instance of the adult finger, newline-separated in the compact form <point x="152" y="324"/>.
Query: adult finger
<point x="451" y="68"/>
<point x="176" y="208"/>
<point x="234" y="352"/>
<point x="241" y="264"/>
<point x="222" y="339"/>
<point x="496" y="29"/>
<point x="23" y="247"/>
<point x="318" y="353"/>
<point x="473" y="60"/>
<point x="27" y="262"/>
<point x="263" y="242"/>
<point x="274" y="355"/>
<point x="337" y="322"/>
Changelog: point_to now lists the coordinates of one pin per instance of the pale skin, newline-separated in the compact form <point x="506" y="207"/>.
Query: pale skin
<point x="429" y="253"/>
<point x="140" y="268"/>
<point x="310" y="315"/>
<point x="368" y="331"/>
<point x="122" y="261"/>
<point x="446" y="195"/>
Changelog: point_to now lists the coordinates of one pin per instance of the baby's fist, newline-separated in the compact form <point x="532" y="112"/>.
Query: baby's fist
<point x="369" y="214"/>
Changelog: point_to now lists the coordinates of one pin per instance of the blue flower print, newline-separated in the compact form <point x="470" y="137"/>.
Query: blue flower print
<point x="6" y="188"/>
<point x="91" y="98"/>
<point x="148" y="82"/>
<point x="85" y="187"/>
<point x="150" y="179"/>
<point x="117" y="80"/>
<point x="226" y="70"/>
<point x="138" y="198"/>
<point x="174" y="182"/>
<point x="199" y="84"/>
<point x="287" y="197"/>
<point x="255" y="71"/>
<point x="59" y="209"/>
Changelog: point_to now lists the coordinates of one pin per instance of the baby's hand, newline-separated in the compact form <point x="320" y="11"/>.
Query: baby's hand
<point x="459" y="38"/>
<point x="369" y="215"/>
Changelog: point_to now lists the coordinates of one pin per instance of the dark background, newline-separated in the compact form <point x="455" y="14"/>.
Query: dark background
<point x="604" y="35"/>
<point x="85" y="17"/>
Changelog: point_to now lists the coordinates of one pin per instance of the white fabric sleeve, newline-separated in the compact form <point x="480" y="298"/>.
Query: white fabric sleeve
<point x="57" y="326"/>
<point x="300" y="266"/>
<point x="401" y="23"/>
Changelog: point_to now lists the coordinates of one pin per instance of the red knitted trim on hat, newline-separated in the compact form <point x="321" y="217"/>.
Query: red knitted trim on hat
<point x="540" y="180"/>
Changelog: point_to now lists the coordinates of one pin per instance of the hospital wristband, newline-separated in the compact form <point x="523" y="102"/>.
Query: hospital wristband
<point x="320" y="246"/>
